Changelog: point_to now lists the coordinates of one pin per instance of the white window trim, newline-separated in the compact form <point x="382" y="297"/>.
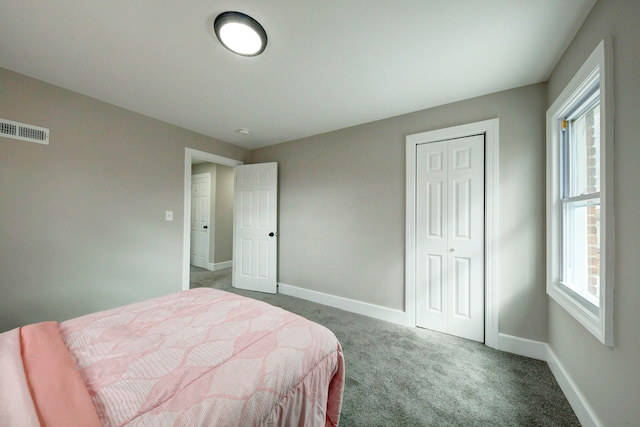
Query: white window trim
<point x="599" y="62"/>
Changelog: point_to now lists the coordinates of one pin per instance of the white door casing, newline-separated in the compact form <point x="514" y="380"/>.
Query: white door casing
<point x="450" y="237"/>
<point x="491" y="130"/>
<point x="255" y="240"/>
<point x="200" y="217"/>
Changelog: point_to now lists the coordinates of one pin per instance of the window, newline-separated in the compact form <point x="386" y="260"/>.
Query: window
<point x="580" y="196"/>
<point x="580" y="199"/>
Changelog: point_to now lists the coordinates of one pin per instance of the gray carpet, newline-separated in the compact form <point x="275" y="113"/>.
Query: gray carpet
<point x="399" y="376"/>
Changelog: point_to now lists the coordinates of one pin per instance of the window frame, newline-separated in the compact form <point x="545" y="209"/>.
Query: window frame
<point x="598" y="68"/>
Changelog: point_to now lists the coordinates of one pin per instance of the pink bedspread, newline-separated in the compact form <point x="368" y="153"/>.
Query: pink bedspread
<point x="206" y="357"/>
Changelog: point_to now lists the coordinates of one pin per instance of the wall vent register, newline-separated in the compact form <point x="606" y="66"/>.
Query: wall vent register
<point x="24" y="132"/>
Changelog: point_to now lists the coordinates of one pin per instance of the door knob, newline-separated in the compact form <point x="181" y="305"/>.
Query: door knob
<point x="272" y="234"/>
<point x="452" y="250"/>
<point x="206" y="226"/>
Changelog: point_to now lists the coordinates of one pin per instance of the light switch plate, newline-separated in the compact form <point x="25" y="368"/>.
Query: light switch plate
<point x="168" y="216"/>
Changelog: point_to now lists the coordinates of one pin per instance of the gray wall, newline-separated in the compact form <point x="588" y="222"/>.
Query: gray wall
<point x="222" y="182"/>
<point x="342" y="206"/>
<point x="82" y="223"/>
<point x="224" y="213"/>
<point x="609" y="378"/>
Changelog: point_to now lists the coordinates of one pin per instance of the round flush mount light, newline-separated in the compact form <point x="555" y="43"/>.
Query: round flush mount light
<point x="244" y="131"/>
<point x="240" y="33"/>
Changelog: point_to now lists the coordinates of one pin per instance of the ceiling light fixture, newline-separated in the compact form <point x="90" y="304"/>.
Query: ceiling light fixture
<point x="240" y="33"/>
<point x="243" y="131"/>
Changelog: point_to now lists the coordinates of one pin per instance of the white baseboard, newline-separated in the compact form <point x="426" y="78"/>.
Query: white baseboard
<point x="522" y="347"/>
<point x="219" y="265"/>
<point x="346" y="304"/>
<point x="576" y="399"/>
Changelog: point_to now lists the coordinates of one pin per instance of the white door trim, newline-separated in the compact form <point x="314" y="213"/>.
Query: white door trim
<point x="490" y="128"/>
<point x="189" y="155"/>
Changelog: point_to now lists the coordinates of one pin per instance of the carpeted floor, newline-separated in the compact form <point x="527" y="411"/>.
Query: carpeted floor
<point x="399" y="376"/>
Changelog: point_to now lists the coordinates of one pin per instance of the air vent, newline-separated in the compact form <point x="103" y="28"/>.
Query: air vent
<point x="24" y="132"/>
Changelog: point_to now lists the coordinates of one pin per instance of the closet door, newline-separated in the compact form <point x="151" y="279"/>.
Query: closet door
<point x="450" y="237"/>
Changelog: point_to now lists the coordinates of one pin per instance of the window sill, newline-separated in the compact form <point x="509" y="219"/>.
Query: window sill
<point x="594" y="323"/>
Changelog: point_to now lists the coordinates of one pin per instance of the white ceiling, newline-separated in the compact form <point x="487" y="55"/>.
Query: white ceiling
<point x="329" y="64"/>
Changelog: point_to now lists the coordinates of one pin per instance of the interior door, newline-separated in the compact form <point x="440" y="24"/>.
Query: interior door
<point x="450" y="237"/>
<point x="255" y="240"/>
<point x="200" y="213"/>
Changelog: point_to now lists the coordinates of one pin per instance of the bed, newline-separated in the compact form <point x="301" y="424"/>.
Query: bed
<point x="198" y="357"/>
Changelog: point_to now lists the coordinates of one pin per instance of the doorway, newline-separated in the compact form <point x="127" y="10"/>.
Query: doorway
<point x="222" y="238"/>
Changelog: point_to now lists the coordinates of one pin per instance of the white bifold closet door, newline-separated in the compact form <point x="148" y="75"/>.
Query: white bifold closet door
<point x="450" y="237"/>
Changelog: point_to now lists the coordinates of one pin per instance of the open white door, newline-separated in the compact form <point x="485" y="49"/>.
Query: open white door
<point x="255" y="233"/>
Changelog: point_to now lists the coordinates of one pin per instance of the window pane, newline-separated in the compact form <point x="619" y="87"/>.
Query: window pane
<point x="582" y="248"/>
<point x="584" y="153"/>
